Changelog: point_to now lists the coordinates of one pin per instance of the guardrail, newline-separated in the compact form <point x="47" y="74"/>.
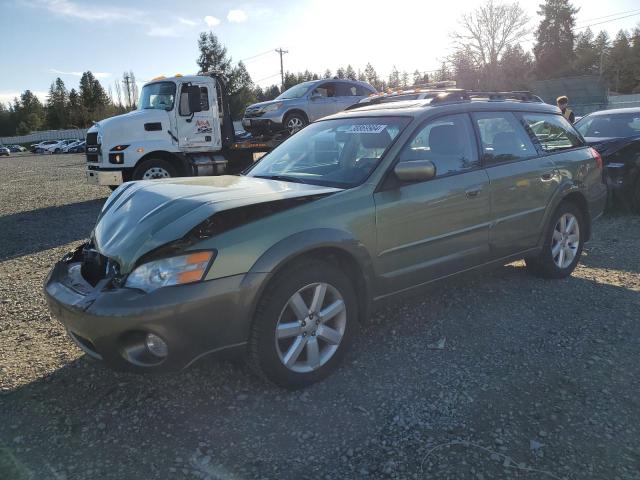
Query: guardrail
<point x="35" y="137"/>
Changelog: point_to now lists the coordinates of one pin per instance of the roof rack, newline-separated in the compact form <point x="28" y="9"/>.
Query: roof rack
<point x="461" y="95"/>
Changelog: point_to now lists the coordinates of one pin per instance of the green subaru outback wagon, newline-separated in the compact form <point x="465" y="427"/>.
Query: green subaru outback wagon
<point x="284" y="261"/>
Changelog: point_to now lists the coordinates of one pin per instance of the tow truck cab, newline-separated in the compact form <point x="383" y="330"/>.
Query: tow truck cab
<point x="182" y="127"/>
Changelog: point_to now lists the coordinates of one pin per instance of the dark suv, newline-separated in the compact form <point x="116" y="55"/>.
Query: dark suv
<point x="284" y="261"/>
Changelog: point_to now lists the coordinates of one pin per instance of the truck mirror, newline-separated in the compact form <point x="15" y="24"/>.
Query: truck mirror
<point x="193" y="93"/>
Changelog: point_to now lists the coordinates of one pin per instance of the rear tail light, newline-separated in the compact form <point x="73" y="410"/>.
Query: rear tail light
<point x="597" y="157"/>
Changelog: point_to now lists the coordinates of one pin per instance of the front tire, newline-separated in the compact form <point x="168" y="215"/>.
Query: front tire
<point x="303" y="325"/>
<point x="294" y="122"/>
<point x="563" y="244"/>
<point x="154" y="168"/>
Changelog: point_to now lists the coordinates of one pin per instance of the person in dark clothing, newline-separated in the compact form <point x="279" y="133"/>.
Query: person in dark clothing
<point x="562" y="103"/>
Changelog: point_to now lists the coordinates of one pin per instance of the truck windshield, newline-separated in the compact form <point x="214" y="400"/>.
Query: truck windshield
<point x="158" y="95"/>
<point x="296" y="91"/>
<point x="335" y="153"/>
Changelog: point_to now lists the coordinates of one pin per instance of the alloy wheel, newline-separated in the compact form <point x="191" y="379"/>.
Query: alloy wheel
<point x="310" y="327"/>
<point x="565" y="241"/>
<point x="294" y="125"/>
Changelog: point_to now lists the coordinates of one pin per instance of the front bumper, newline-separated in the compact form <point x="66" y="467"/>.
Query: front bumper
<point x="263" y="126"/>
<point x="110" y="323"/>
<point x="104" y="177"/>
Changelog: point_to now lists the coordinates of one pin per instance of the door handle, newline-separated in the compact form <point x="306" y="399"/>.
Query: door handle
<point x="473" y="192"/>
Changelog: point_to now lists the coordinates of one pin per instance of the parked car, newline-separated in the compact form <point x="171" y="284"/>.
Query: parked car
<point x="4" y="150"/>
<point x="42" y="146"/>
<point x="58" y="147"/>
<point x="69" y="145"/>
<point x="306" y="102"/>
<point x="284" y="261"/>
<point x="17" y="148"/>
<point x="78" y="147"/>
<point x="616" y="136"/>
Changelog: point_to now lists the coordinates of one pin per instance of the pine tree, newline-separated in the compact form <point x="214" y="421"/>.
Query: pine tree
<point x="340" y="73"/>
<point x="554" y="38"/>
<point x="29" y="113"/>
<point x="515" y="68"/>
<point x="327" y="74"/>
<point x="394" y="78"/>
<point x="350" y="73"/>
<point x="372" y="77"/>
<point x="57" y="105"/>
<point x="620" y="72"/>
<point x="417" y="77"/>
<point x="213" y="55"/>
<point x="586" y="57"/>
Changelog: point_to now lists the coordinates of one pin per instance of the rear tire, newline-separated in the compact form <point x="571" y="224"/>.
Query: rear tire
<point x="563" y="244"/>
<point x="154" y="168"/>
<point x="296" y="341"/>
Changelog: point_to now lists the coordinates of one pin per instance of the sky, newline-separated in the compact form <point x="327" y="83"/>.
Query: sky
<point x="43" y="39"/>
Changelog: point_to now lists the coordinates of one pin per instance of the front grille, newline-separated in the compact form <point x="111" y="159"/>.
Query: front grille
<point x="94" y="266"/>
<point x="92" y="138"/>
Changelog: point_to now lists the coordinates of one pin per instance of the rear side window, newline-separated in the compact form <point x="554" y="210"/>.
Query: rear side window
<point x="503" y="138"/>
<point x="346" y="90"/>
<point x="362" y="91"/>
<point x="447" y="142"/>
<point x="552" y="131"/>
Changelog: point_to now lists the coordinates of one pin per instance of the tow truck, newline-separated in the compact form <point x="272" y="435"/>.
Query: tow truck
<point x="182" y="127"/>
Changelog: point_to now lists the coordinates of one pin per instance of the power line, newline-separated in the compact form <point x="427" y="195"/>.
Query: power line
<point x="256" y="56"/>
<point x="267" y="78"/>
<point x="611" y="15"/>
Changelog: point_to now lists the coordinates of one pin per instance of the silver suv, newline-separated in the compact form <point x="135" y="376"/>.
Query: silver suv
<point x="306" y="102"/>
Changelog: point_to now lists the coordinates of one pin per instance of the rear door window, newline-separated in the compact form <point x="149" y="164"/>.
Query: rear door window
<point x="553" y="132"/>
<point x="503" y="138"/>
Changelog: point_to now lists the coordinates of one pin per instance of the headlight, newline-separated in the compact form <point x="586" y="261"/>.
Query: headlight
<point x="272" y="107"/>
<point x="170" y="271"/>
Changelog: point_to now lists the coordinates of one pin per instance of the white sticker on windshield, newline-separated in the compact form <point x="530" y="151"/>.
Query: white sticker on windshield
<point x="365" y="128"/>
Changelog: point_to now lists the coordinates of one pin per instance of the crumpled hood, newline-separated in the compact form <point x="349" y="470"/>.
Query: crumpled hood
<point x="141" y="216"/>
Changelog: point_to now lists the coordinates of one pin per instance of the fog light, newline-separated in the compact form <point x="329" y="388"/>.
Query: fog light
<point x="156" y="345"/>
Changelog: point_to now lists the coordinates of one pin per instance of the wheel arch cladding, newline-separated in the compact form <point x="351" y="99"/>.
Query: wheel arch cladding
<point x="295" y="110"/>
<point x="333" y="246"/>
<point x="578" y="199"/>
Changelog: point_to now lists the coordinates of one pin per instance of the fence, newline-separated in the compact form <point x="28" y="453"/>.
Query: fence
<point x="624" y="101"/>
<point x="35" y="137"/>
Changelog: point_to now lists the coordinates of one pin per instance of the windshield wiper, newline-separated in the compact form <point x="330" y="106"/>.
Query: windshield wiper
<point x="284" y="178"/>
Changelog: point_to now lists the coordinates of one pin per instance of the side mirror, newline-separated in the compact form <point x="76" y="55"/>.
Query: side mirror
<point x="415" y="170"/>
<point x="315" y="96"/>
<point x="193" y="93"/>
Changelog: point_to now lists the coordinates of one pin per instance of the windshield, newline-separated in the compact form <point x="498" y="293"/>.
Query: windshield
<point x="158" y="95"/>
<point x="334" y="153"/>
<point x="614" y="125"/>
<point x="296" y="91"/>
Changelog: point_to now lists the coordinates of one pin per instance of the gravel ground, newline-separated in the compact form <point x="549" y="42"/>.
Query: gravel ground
<point x="492" y="376"/>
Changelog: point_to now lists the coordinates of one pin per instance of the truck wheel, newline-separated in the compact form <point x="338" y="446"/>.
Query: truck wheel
<point x="152" y="169"/>
<point x="303" y="325"/>
<point x="294" y="122"/>
<point x="562" y="246"/>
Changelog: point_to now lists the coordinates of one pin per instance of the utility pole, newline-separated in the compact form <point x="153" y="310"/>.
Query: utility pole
<point x="281" y="52"/>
